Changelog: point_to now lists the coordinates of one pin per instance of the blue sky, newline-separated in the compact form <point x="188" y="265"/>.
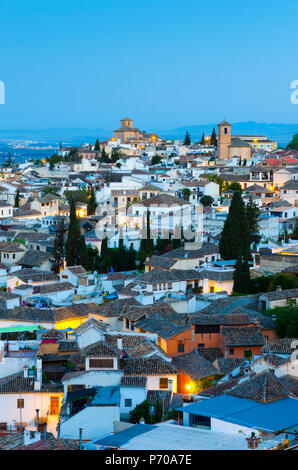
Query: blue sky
<point x="88" y="63"/>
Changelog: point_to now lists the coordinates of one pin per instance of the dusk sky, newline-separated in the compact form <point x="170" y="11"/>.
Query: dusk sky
<point x="164" y="63"/>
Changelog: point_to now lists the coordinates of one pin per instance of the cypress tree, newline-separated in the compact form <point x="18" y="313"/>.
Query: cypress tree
<point x="17" y="199"/>
<point x="203" y="139"/>
<point x="213" y="138"/>
<point x="91" y="208"/>
<point x="97" y="147"/>
<point x="104" y="246"/>
<point x="75" y="246"/>
<point x="235" y="239"/>
<point x="104" y="158"/>
<point x="149" y="241"/>
<point x="241" y="275"/>
<point x="59" y="251"/>
<point x="177" y="237"/>
<point x="253" y="213"/>
<point x="187" y="140"/>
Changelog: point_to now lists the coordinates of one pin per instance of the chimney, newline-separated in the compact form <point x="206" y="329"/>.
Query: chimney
<point x="30" y="437"/>
<point x="37" y="419"/>
<point x="80" y="434"/>
<point x="38" y="380"/>
<point x="25" y="368"/>
<point x="119" y="342"/>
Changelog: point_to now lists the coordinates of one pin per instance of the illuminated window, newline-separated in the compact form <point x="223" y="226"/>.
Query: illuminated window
<point x="163" y="383"/>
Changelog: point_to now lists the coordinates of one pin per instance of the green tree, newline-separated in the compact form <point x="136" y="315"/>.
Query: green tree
<point x="187" y="139"/>
<point x="50" y="190"/>
<point x="59" y="250"/>
<point x="253" y="214"/>
<point x="97" y="146"/>
<point x="91" y="208"/>
<point x="75" y="246"/>
<point x="177" y="237"/>
<point x="104" y="246"/>
<point x="8" y="163"/>
<point x="206" y="200"/>
<point x="218" y="180"/>
<point x="116" y="155"/>
<point x="142" y="410"/>
<point x="104" y="158"/>
<point x="53" y="160"/>
<point x="284" y="280"/>
<point x="235" y="241"/>
<point x="293" y="145"/>
<point x="235" y="186"/>
<point x="156" y="159"/>
<point x="149" y="240"/>
<point x="214" y="138"/>
<point x="295" y="230"/>
<point x="17" y="199"/>
<point x="203" y="139"/>
<point x="241" y="276"/>
<point x="286" y="320"/>
<point x="186" y="193"/>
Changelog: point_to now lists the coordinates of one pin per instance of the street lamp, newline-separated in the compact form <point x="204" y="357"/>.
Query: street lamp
<point x="137" y="265"/>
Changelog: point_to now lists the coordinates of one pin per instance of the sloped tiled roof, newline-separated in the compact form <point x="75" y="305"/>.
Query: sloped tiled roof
<point x="194" y="365"/>
<point x="68" y="346"/>
<point x="162" y="327"/>
<point x="232" y="319"/>
<point x="211" y="354"/>
<point x="116" y="308"/>
<point x="148" y="366"/>
<point x="103" y="326"/>
<point x="131" y="381"/>
<point x="281" y="346"/>
<point x="225" y="365"/>
<point x="219" y="389"/>
<point x="17" y="383"/>
<point x="265" y="387"/>
<point x="34" y="258"/>
<point x="100" y="349"/>
<point x="242" y="336"/>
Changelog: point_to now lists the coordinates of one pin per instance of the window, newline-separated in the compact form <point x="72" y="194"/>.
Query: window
<point x="170" y="285"/>
<point x="231" y="351"/>
<point x="54" y="405"/>
<point x="201" y="345"/>
<point x="126" y="323"/>
<point x="101" y="363"/>
<point x="180" y="347"/>
<point x="20" y="403"/>
<point x="226" y="130"/>
<point x="163" y="383"/>
<point x="128" y="402"/>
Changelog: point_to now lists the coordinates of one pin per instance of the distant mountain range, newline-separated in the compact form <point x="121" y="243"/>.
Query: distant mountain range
<point x="283" y="133"/>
